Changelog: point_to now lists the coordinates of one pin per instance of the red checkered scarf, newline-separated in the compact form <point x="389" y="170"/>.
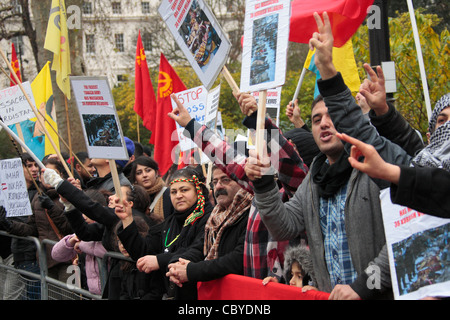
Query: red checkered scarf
<point x="221" y="218"/>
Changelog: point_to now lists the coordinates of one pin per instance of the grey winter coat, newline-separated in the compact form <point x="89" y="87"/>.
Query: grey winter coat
<point x="363" y="217"/>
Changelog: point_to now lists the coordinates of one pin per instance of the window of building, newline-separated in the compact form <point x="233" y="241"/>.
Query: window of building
<point x="90" y="43"/>
<point x="116" y="8"/>
<point x="87" y="7"/>
<point x="147" y="41"/>
<point x="122" y="78"/>
<point x="119" y="42"/>
<point x="145" y="7"/>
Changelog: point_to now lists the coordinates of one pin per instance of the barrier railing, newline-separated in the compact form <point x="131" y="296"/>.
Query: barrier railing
<point x="230" y="287"/>
<point x="28" y="281"/>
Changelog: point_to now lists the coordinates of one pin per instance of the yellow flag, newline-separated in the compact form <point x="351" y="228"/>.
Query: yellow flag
<point x="43" y="97"/>
<point x="57" y="41"/>
<point x="344" y="62"/>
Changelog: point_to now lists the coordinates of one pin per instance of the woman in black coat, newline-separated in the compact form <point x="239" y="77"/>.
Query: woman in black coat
<point x="179" y="232"/>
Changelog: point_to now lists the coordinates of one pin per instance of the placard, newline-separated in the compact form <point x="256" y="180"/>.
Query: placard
<point x="212" y="108"/>
<point x="266" y="38"/>
<point x="13" y="193"/>
<point x="199" y="36"/>
<point x="195" y="101"/>
<point x="101" y="126"/>
<point x="14" y="107"/>
<point x="419" y="250"/>
<point x="272" y="103"/>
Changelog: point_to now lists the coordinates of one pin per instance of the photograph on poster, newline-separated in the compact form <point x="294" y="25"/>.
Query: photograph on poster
<point x="200" y="36"/>
<point x="102" y="130"/>
<point x="264" y="49"/>
<point x="422" y="259"/>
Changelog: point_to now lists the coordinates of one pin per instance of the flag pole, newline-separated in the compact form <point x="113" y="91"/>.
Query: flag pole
<point x="68" y="130"/>
<point x="420" y="58"/>
<point x="37" y="115"/>
<point x="299" y="84"/>
<point x="137" y="128"/>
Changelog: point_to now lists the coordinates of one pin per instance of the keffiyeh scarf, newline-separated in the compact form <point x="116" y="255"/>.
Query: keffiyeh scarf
<point x="221" y="218"/>
<point x="437" y="153"/>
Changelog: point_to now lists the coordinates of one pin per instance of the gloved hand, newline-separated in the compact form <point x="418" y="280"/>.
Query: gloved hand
<point x="45" y="201"/>
<point x="5" y="224"/>
<point x="51" y="177"/>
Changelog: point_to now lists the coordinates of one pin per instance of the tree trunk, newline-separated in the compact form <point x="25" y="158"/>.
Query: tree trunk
<point x="41" y="10"/>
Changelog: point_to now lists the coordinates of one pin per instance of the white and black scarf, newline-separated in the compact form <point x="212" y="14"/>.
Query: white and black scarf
<point x="437" y="153"/>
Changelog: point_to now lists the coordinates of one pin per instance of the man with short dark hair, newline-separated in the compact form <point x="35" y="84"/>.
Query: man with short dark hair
<point x="338" y="207"/>
<point x="85" y="168"/>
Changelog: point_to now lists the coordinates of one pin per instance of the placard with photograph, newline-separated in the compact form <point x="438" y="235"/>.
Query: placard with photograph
<point x="199" y="36"/>
<point x="101" y="125"/>
<point x="266" y="38"/>
<point x="418" y="250"/>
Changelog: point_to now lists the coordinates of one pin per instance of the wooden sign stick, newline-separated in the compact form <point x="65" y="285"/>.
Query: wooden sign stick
<point x="260" y="123"/>
<point x="116" y="180"/>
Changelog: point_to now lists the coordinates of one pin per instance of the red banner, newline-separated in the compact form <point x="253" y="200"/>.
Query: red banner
<point x="235" y="287"/>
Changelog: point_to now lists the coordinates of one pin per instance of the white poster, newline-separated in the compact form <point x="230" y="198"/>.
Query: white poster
<point x="14" y="107"/>
<point x="101" y="125"/>
<point x="13" y="192"/>
<point x="418" y="247"/>
<point x="272" y="103"/>
<point x="194" y="100"/>
<point x="266" y="38"/>
<point x="199" y="36"/>
<point x="212" y="108"/>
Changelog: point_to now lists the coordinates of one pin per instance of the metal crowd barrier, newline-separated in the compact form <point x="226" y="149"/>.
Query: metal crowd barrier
<point x="20" y="284"/>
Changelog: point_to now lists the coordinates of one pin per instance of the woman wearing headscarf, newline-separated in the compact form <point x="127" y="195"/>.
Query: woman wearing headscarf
<point x="183" y="229"/>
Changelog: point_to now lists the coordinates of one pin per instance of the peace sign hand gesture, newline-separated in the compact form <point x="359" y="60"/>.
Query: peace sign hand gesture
<point x="323" y="41"/>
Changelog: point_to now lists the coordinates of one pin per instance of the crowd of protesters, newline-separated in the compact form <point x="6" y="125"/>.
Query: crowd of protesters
<point x="307" y="214"/>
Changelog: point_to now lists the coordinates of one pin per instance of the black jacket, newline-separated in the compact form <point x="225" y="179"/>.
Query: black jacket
<point x="156" y="243"/>
<point x="394" y="127"/>
<point x="423" y="189"/>
<point x="230" y="255"/>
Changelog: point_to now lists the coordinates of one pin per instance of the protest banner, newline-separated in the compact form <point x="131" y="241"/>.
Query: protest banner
<point x="13" y="192"/>
<point x="14" y="107"/>
<point x="194" y="100"/>
<point x="212" y="108"/>
<point x="266" y="35"/>
<point x="199" y="36"/>
<point x="101" y="126"/>
<point x="418" y="251"/>
<point x="202" y="106"/>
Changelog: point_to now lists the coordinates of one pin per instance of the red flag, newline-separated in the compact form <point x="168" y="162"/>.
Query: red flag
<point x="15" y="66"/>
<point x="144" y="96"/>
<point x="164" y="137"/>
<point x="345" y="16"/>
